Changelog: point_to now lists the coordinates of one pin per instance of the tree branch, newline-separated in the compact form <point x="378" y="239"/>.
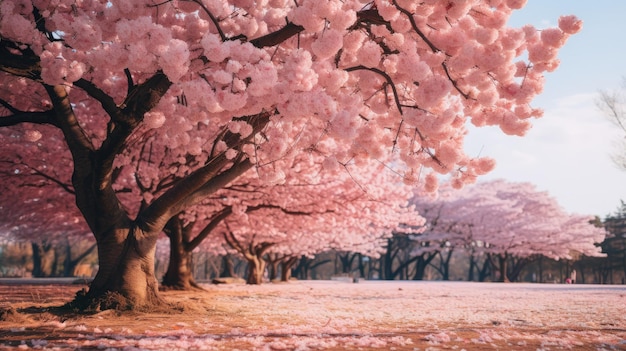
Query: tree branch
<point x="204" y="233"/>
<point x="36" y="117"/>
<point x="409" y="15"/>
<point x="105" y="100"/>
<point x="67" y="187"/>
<point x="278" y="36"/>
<point x="384" y="75"/>
<point x="26" y="64"/>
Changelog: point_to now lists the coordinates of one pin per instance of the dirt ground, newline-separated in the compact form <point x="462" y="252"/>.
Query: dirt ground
<point x="328" y="316"/>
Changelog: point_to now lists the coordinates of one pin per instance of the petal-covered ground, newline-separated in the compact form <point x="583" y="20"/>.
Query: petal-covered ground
<point x="331" y="315"/>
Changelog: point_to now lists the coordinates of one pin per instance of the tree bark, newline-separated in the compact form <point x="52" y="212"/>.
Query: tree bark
<point x="273" y="270"/>
<point x="179" y="274"/>
<point x="421" y="263"/>
<point x="43" y="259"/>
<point x="125" y="278"/>
<point x="503" y="268"/>
<point x="228" y="269"/>
<point x="69" y="264"/>
<point x="286" y="265"/>
<point x="256" y="269"/>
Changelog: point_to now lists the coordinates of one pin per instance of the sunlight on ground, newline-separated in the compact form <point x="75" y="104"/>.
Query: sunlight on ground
<point x="329" y="315"/>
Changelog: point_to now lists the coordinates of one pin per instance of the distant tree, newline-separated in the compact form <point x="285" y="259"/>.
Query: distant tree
<point x="354" y="213"/>
<point x="507" y="225"/>
<point x="614" y="245"/>
<point x="37" y="207"/>
<point x="612" y="103"/>
<point x="513" y="222"/>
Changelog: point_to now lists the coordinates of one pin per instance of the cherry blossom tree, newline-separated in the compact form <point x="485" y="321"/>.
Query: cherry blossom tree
<point x="511" y="223"/>
<point x="37" y="207"/>
<point x="235" y="85"/>
<point x="353" y="213"/>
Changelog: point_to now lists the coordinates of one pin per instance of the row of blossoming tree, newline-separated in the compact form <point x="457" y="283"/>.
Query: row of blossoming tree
<point x="498" y="225"/>
<point x="507" y="224"/>
<point x="150" y="108"/>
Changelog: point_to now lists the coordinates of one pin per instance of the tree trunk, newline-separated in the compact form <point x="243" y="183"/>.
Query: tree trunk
<point x="444" y="264"/>
<point x="179" y="274"/>
<point x="386" y="262"/>
<point x="485" y="270"/>
<point x="256" y="269"/>
<point x="421" y="263"/>
<point x="228" y="270"/>
<point x="42" y="259"/>
<point x="502" y="260"/>
<point x="286" y="265"/>
<point x="472" y="266"/>
<point x="125" y="278"/>
<point x="70" y="264"/>
<point x="346" y="261"/>
<point x="273" y="270"/>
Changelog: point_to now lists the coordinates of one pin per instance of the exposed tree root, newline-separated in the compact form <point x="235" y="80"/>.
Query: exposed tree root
<point x="86" y="302"/>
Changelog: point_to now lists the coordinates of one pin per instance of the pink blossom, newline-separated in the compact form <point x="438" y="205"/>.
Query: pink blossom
<point x="222" y="77"/>
<point x="488" y="96"/>
<point x="214" y="49"/>
<point x="485" y="36"/>
<point x="458" y="9"/>
<point x="298" y="71"/>
<point x="32" y="135"/>
<point x="327" y="44"/>
<point x="230" y="101"/>
<point x="431" y="182"/>
<point x="369" y="54"/>
<point x="343" y="19"/>
<point x="540" y="53"/>
<point x="139" y="58"/>
<point x="154" y="119"/>
<point x="15" y="26"/>
<point x="175" y="61"/>
<point x="303" y="16"/>
<point x="482" y="165"/>
<point x="570" y="24"/>
<point x="552" y="37"/>
<point x="432" y="90"/>
<point x="231" y="154"/>
<point x="516" y="4"/>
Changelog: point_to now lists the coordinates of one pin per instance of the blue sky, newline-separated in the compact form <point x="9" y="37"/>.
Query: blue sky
<point x="567" y="152"/>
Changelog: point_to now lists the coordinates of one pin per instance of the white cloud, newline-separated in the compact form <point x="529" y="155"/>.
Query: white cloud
<point x="567" y="153"/>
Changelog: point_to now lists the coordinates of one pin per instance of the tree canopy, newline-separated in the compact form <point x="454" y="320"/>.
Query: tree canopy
<point x="174" y="100"/>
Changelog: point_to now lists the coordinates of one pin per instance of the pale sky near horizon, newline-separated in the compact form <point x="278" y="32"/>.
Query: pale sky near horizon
<point x="567" y="152"/>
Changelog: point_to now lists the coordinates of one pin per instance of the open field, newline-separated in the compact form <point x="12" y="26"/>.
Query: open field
<point x="330" y="315"/>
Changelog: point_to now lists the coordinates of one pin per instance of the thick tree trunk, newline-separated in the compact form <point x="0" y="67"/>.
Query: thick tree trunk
<point x="43" y="259"/>
<point x="256" y="270"/>
<point x="420" y="268"/>
<point x="179" y="274"/>
<point x="286" y="266"/>
<point x="125" y="279"/>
